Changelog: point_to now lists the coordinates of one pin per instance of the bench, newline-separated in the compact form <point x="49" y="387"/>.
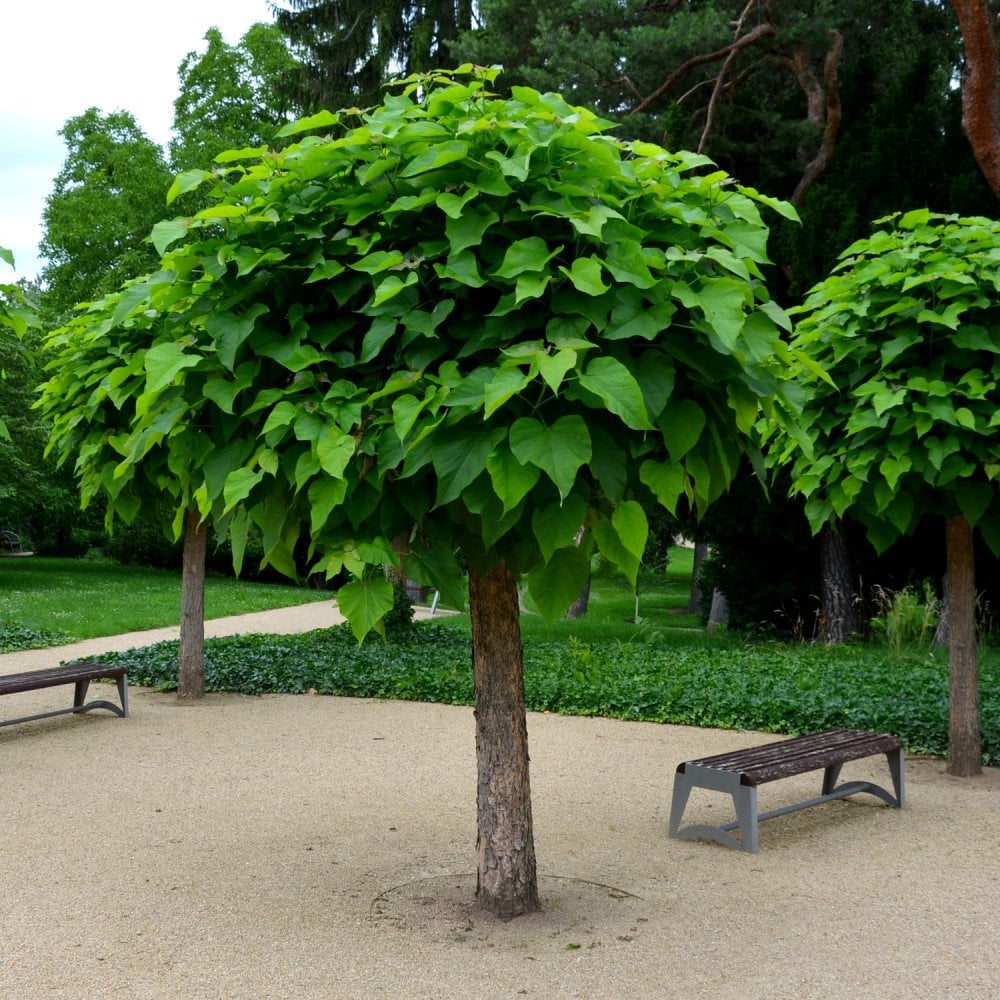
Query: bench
<point x="78" y="674"/>
<point x="10" y="541"/>
<point x="739" y="774"/>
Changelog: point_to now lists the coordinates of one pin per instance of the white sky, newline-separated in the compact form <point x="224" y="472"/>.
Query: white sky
<point x="60" y="57"/>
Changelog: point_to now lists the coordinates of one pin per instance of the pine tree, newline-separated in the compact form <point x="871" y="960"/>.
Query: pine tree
<point x="349" y="48"/>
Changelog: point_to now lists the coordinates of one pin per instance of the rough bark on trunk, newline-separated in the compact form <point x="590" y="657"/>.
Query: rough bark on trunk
<point x="700" y="552"/>
<point x="964" y="747"/>
<point x="838" y="614"/>
<point x="718" y="616"/>
<point x="579" y="607"/>
<point x="981" y="86"/>
<point x="191" y="670"/>
<point x="507" y="882"/>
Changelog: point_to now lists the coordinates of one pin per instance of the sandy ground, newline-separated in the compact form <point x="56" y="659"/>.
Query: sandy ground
<point x="311" y="847"/>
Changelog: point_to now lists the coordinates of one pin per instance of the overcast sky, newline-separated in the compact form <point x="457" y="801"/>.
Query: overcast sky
<point x="61" y="57"/>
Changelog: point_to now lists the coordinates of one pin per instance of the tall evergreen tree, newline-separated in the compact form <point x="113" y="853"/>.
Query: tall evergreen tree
<point x="349" y="48"/>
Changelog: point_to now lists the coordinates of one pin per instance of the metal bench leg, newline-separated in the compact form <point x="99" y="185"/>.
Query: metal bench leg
<point x="682" y="792"/>
<point x="123" y="693"/>
<point x="896" y="769"/>
<point x="830" y="776"/>
<point x="745" y="801"/>
<point x="80" y="693"/>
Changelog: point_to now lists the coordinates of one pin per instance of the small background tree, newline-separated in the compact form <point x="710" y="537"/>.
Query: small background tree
<point x="908" y="329"/>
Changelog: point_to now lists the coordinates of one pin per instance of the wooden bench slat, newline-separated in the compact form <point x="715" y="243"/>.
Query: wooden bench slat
<point x="784" y="758"/>
<point x="34" y="680"/>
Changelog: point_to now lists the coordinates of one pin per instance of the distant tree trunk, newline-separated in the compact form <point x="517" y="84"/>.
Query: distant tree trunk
<point x="718" y="616"/>
<point x="964" y="746"/>
<point x="579" y="607"/>
<point x="981" y="86"/>
<point x="838" y="615"/>
<point x="700" y="552"/>
<point x="191" y="670"/>
<point x="941" y="632"/>
<point x="507" y="883"/>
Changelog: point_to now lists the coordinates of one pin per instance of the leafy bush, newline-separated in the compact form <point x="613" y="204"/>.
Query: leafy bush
<point x="14" y="638"/>
<point x="677" y="678"/>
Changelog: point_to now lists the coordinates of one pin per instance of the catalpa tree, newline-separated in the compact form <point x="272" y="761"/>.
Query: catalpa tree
<point x="456" y="330"/>
<point x="907" y="328"/>
<point x="141" y="440"/>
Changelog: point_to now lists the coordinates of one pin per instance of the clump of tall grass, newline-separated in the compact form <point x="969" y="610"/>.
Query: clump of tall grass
<point x="906" y="619"/>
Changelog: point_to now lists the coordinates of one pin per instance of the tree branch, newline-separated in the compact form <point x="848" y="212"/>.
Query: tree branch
<point x="720" y="79"/>
<point x="750" y="38"/>
<point x="823" y="108"/>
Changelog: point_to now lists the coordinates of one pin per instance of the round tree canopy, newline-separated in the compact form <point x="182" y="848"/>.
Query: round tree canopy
<point x="907" y="329"/>
<point x="473" y="323"/>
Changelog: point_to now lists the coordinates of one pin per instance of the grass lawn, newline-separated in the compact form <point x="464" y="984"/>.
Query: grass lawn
<point x="81" y="599"/>
<point x="662" y="668"/>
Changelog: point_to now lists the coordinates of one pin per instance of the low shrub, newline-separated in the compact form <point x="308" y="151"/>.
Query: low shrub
<point x="680" y="679"/>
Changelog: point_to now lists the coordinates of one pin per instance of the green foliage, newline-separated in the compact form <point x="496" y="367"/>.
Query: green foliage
<point x="228" y="96"/>
<point x="683" y="680"/>
<point x="906" y="620"/>
<point x="908" y="330"/>
<point x="16" y="637"/>
<point x="103" y="205"/>
<point x="374" y="323"/>
<point x="350" y="48"/>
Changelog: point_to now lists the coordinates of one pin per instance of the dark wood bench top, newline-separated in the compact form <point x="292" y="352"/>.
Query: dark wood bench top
<point x="33" y="680"/>
<point x="760" y="764"/>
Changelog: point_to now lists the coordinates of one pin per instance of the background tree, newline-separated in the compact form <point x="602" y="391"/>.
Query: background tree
<point x="229" y="96"/>
<point x="398" y="350"/>
<point x="351" y="48"/>
<point x="847" y="108"/>
<point x="123" y="415"/>
<point x="15" y="319"/>
<point x="907" y="329"/>
<point x="103" y="205"/>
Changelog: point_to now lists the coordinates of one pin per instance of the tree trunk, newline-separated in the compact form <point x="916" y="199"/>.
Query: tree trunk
<point x="981" y="86"/>
<point x="718" y="616"/>
<point x="941" y="632"/>
<point x="191" y="670"/>
<point x="838" y="615"/>
<point x="700" y="552"/>
<point x="964" y="748"/>
<point x="579" y="607"/>
<point x="507" y="882"/>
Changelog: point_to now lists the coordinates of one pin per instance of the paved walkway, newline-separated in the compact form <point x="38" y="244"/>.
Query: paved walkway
<point x="279" y="621"/>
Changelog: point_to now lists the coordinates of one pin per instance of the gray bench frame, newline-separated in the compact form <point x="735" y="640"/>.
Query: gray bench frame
<point x="739" y="773"/>
<point x="78" y="674"/>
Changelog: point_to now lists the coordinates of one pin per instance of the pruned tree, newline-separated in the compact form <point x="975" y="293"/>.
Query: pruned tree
<point x="907" y="428"/>
<point x="480" y="324"/>
<point x="137" y="434"/>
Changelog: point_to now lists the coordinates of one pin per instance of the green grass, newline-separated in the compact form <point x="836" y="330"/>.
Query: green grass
<point x="659" y="676"/>
<point x="659" y="669"/>
<point x="81" y="599"/>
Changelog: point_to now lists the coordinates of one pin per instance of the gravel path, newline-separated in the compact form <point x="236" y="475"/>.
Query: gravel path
<point x="312" y="847"/>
